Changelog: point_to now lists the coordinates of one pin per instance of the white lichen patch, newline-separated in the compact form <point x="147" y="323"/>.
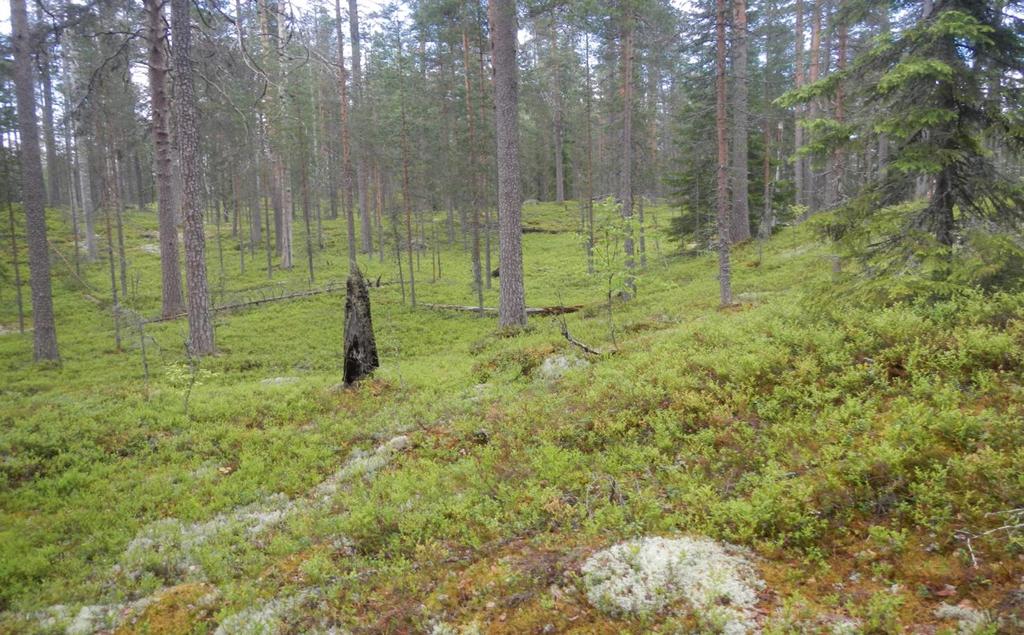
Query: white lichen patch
<point x="289" y="613"/>
<point x="169" y="548"/>
<point x="359" y="464"/>
<point x="264" y="618"/>
<point x="556" y="366"/>
<point x="278" y="381"/>
<point x="969" y="620"/>
<point x="103" y="617"/>
<point x="714" y="582"/>
<point x="442" y="628"/>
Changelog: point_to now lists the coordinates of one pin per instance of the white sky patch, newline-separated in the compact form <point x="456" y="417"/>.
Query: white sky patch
<point x="366" y="7"/>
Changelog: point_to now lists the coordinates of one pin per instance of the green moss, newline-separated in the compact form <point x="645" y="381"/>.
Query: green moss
<point x="791" y="425"/>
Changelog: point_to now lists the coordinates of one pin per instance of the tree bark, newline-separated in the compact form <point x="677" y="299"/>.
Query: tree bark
<point x="838" y="158"/>
<point x="360" y="345"/>
<point x="200" y="321"/>
<point x="813" y="73"/>
<point x="475" y="186"/>
<point x="627" y="150"/>
<point x="406" y="192"/>
<point x="589" y="191"/>
<point x="740" y="230"/>
<point x="15" y="264"/>
<point x="84" y="172"/>
<point x="284" y="178"/>
<point x="722" y="216"/>
<point x="512" y="296"/>
<point x="799" y="164"/>
<point x="173" y="302"/>
<point x="33" y="190"/>
<point x="556" y="90"/>
<point x="346" y="147"/>
<point x="359" y="138"/>
<point x="53" y="192"/>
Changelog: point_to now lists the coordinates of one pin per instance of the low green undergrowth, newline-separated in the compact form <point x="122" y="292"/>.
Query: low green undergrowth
<point x="852" y="444"/>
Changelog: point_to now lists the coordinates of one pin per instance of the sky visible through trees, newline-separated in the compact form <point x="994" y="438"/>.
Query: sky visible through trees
<point x="460" y="316"/>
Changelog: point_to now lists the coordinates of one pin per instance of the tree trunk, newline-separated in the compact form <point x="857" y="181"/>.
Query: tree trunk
<point x="589" y="191"/>
<point x="813" y="73"/>
<point x="474" y="177"/>
<point x="740" y="230"/>
<point x="71" y="166"/>
<point x="512" y="297"/>
<point x="140" y="189"/>
<point x="406" y="193"/>
<point x="33" y="190"/>
<point x="108" y="199"/>
<point x="122" y="258"/>
<point x="200" y="320"/>
<point x="15" y="264"/>
<point x="284" y="178"/>
<point x="799" y="164"/>
<point x="627" y="149"/>
<point x="84" y="175"/>
<point x="360" y="344"/>
<point x="303" y="175"/>
<point x="359" y="138"/>
<point x="722" y="216"/>
<point x="173" y="302"/>
<point x="838" y="158"/>
<point x="346" y="147"/>
<point x="53" y="193"/>
<point x="556" y="90"/>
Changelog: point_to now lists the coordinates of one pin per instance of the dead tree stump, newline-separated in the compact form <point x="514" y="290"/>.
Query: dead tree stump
<point x="360" y="346"/>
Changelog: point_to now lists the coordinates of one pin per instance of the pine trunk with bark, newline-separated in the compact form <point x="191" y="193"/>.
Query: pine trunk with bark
<point x="837" y="161"/>
<point x="173" y="302"/>
<point x="53" y="190"/>
<point x="359" y="139"/>
<point x="406" y="191"/>
<point x="200" y="317"/>
<point x="627" y="152"/>
<point x="475" y="186"/>
<point x="799" y="163"/>
<point x="723" y="217"/>
<point x="33" y="190"/>
<point x="348" y="180"/>
<point x="813" y="74"/>
<point x="512" y="296"/>
<point x="740" y="230"/>
<point x="556" y="115"/>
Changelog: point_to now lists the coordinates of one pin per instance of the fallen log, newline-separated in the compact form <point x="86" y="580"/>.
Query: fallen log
<point x="263" y="300"/>
<point x="541" y="311"/>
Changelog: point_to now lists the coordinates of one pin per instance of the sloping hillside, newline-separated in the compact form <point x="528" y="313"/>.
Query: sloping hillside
<point x="866" y="459"/>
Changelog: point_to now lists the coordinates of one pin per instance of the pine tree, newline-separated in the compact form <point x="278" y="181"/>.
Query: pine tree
<point x="723" y="218"/>
<point x="200" y="318"/>
<point x="33" y="189"/>
<point x="512" y="303"/>
<point x="173" y="302"/>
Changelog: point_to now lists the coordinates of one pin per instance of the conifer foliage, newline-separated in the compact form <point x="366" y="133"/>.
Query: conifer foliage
<point x="934" y="92"/>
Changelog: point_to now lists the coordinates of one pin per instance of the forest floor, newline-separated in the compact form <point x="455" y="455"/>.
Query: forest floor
<point x="850" y="447"/>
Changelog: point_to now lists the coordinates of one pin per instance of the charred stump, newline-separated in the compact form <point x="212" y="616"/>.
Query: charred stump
<point x="360" y="346"/>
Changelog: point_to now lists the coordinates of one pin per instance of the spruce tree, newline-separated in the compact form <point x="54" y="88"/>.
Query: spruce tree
<point x="924" y="89"/>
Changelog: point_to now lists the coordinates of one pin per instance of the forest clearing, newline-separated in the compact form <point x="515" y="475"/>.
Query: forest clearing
<point x="621" y="317"/>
